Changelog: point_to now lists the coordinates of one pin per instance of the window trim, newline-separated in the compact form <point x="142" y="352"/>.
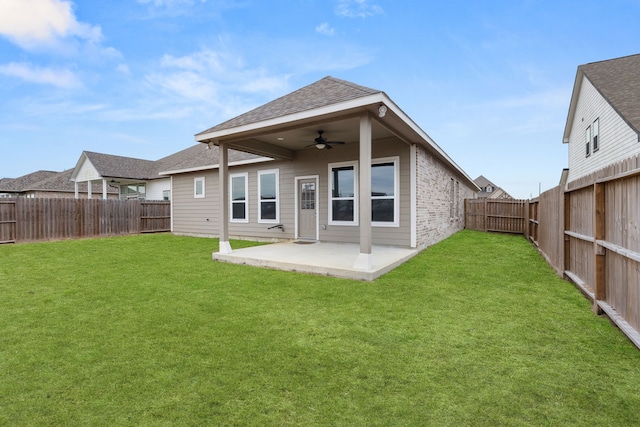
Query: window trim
<point x="195" y="187"/>
<point x="396" y="192"/>
<point x="587" y="135"/>
<point x="595" y="134"/>
<point x="275" y="172"/>
<point x="245" y="175"/>
<point x="355" y="198"/>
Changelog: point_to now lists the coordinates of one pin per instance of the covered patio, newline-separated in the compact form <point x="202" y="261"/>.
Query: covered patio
<point x="323" y="258"/>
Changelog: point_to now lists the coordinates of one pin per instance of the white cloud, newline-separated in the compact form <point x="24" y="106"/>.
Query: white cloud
<point x="325" y="29"/>
<point x="204" y="61"/>
<point x="33" y="23"/>
<point x="187" y="85"/>
<point x="357" y="9"/>
<point x="62" y="78"/>
<point x="123" y="69"/>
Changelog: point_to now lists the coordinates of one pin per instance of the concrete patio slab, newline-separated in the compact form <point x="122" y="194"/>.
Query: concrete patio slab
<point x="323" y="258"/>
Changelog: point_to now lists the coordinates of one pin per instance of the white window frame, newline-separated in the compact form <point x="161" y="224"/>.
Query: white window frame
<point x="195" y="187"/>
<point x="396" y="192"/>
<point x="245" y="175"/>
<point x="275" y="172"/>
<point x="587" y="137"/>
<point x="166" y="195"/>
<point x="595" y="134"/>
<point x="331" y="166"/>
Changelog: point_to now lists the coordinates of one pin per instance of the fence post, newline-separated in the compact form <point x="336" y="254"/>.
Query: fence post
<point x="567" y="227"/>
<point x="599" y="251"/>
<point x="485" y="215"/>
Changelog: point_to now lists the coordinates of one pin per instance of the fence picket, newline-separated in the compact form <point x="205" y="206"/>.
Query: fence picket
<point x="28" y="220"/>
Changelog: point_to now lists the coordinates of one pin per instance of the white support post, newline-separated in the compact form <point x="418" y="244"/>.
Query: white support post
<point x="225" y="247"/>
<point x="104" y="188"/>
<point x="76" y="190"/>
<point x="363" y="262"/>
<point x="88" y="189"/>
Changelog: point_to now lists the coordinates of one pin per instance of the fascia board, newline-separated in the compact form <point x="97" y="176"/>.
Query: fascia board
<point x="577" y="84"/>
<point x="216" y="166"/>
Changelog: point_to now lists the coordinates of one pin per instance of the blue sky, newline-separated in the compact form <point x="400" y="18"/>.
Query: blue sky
<point x="489" y="81"/>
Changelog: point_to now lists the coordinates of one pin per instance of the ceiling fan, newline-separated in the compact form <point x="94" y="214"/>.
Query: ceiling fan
<point x="321" y="142"/>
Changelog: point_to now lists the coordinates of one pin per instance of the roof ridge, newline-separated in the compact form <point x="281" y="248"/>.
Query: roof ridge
<point x="610" y="59"/>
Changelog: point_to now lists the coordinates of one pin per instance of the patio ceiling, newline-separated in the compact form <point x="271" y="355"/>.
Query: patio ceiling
<point x="291" y="134"/>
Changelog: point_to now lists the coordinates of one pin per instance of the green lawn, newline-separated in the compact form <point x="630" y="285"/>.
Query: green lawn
<point x="147" y="330"/>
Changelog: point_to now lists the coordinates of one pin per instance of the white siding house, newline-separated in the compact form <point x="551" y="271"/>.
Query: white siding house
<point x="604" y="115"/>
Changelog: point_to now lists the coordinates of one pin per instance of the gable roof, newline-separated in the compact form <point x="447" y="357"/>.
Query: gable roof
<point x="110" y="166"/>
<point x="324" y="92"/>
<point x="483" y="182"/>
<point x="327" y="101"/>
<point x="618" y="81"/>
<point x="497" y="193"/>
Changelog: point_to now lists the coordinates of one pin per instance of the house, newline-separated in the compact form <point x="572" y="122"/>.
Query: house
<point x="45" y="184"/>
<point x="133" y="178"/>
<point x="333" y="161"/>
<point x="489" y="190"/>
<point x="603" y="123"/>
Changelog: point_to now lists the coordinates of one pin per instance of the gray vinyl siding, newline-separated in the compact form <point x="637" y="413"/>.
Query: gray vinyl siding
<point x="434" y="179"/>
<point x="190" y="214"/>
<point x="195" y="216"/>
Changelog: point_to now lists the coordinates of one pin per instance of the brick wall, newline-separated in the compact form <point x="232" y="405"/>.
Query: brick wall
<point x="439" y="215"/>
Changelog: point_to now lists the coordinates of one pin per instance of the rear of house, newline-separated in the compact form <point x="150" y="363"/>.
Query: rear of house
<point x="416" y="194"/>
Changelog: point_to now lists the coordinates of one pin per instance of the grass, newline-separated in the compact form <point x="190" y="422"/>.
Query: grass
<point x="147" y="330"/>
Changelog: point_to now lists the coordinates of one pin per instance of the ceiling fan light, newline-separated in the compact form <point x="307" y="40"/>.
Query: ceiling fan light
<point x="320" y="146"/>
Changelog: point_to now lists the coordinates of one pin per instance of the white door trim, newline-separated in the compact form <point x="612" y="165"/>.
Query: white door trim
<point x="296" y="201"/>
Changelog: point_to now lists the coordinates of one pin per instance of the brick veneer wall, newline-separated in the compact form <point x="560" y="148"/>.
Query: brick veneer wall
<point x="434" y="221"/>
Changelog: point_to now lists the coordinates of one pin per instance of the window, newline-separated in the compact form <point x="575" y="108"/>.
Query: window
<point x="451" y="199"/>
<point x="587" y="137"/>
<point x="457" y="199"/>
<point x="268" y="196"/>
<point x="595" y="130"/>
<point x="239" y="203"/>
<point x="133" y="191"/>
<point x="384" y="192"/>
<point x="342" y="198"/>
<point x="198" y="188"/>
<point x="166" y="194"/>
<point x="489" y="189"/>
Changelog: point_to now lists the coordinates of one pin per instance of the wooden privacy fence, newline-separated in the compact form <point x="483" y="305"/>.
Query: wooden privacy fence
<point x="27" y="220"/>
<point x="589" y="232"/>
<point x="506" y="216"/>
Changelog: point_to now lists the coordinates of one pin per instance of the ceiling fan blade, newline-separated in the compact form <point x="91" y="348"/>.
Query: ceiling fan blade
<point x="334" y="142"/>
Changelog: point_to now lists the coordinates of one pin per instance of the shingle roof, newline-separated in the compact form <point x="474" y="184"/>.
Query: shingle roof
<point x="202" y="157"/>
<point x="326" y="91"/>
<point x="48" y="181"/>
<point x="24" y="182"/>
<point x="618" y="81"/>
<point x="62" y="182"/>
<point x="110" y="166"/>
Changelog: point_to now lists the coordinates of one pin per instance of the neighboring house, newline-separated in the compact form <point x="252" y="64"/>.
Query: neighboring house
<point x="132" y="178"/>
<point x="603" y="124"/>
<point x="45" y="184"/>
<point x="488" y="190"/>
<point x="384" y="182"/>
